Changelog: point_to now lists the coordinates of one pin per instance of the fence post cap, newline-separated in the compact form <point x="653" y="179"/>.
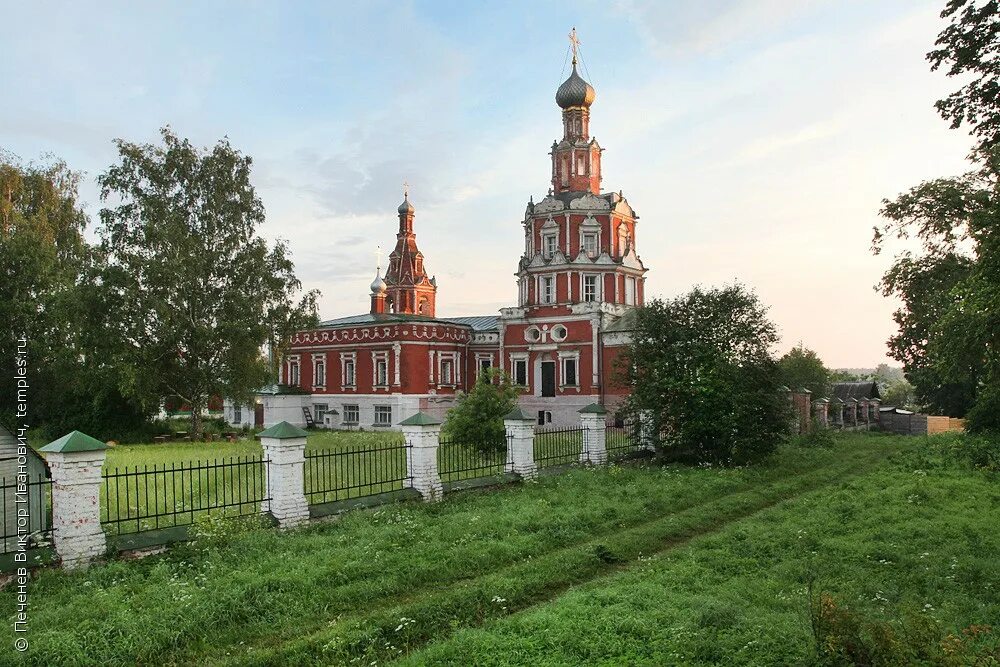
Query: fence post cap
<point x="283" y="431"/>
<point x="517" y="414"/>
<point x="593" y="409"/>
<point x="74" y="442"/>
<point x="420" y="419"/>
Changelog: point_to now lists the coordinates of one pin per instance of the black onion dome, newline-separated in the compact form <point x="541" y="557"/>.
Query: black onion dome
<point x="406" y="206"/>
<point x="575" y="92"/>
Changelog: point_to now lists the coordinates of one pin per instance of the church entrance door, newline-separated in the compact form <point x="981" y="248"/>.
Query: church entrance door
<point x="258" y="415"/>
<point x="548" y="378"/>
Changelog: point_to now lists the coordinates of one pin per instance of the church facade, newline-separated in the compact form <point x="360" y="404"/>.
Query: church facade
<point x="578" y="279"/>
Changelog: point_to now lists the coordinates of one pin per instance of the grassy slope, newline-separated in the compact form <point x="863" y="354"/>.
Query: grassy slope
<point x="899" y="541"/>
<point x="336" y="592"/>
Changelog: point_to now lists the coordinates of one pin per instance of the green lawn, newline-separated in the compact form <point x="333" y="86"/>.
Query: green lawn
<point x="622" y="565"/>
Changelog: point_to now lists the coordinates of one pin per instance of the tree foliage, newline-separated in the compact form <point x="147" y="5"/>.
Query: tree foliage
<point x="191" y="292"/>
<point x="949" y="323"/>
<point x="477" y="418"/>
<point x="969" y="47"/>
<point x="802" y="368"/>
<point x="44" y="296"/>
<point x="700" y="368"/>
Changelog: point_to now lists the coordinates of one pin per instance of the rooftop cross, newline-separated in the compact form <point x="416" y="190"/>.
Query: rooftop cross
<point x="574" y="43"/>
<point x="378" y="258"/>
<point x="406" y="190"/>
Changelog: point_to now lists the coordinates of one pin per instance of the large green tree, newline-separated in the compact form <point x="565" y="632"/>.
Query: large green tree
<point x="949" y="321"/>
<point x="700" y="370"/>
<point x="802" y="368"/>
<point x="44" y="297"/>
<point x="191" y="291"/>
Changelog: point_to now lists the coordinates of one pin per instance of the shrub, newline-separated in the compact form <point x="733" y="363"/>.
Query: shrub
<point x="844" y="636"/>
<point x="477" y="419"/>
<point x="984" y="416"/>
<point x="700" y="368"/>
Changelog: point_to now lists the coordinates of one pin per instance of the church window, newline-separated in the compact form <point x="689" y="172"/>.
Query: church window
<point x="319" y="373"/>
<point x="348" y="375"/>
<point x="447" y="371"/>
<point x="381" y="373"/>
<point x="485" y="364"/>
<point x="293" y="372"/>
<point x="548" y="289"/>
<point x="352" y="414"/>
<point x="565" y="171"/>
<point x="550" y="243"/>
<point x="590" y="245"/>
<point x="521" y="372"/>
<point x="590" y="287"/>
<point x="630" y="291"/>
<point x="383" y="415"/>
<point x="423" y="307"/>
<point x="319" y="409"/>
<point x="569" y="372"/>
<point x="580" y="165"/>
<point x="237" y="414"/>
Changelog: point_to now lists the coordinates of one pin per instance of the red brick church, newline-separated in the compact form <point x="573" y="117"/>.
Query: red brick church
<point x="578" y="278"/>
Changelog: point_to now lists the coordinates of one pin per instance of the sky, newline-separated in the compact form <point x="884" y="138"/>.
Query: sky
<point x="755" y="139"/>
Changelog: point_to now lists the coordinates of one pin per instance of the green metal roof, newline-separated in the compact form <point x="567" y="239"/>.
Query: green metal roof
<point x="283" y="431"/>
<point x="420" y="419"/>
<point x="74" y="442"/>
<point x="518" y="413"/>
<point x="593" y="408"/>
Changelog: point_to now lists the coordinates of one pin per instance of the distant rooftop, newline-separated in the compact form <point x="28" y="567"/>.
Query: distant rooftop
<point x="475" y="322"/>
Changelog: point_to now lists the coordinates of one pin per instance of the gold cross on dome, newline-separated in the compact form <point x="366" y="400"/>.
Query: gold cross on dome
<point x="574" y="42"/>
<point x="378" y="257"/>
<point x="406" y="190"/>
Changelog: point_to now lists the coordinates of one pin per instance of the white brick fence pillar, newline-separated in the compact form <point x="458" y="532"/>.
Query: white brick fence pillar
<point x="595" y="448"/>
<point x="422" y="433"/>
<point x="821" y="407"/>
<point x="520" y="429"/>
<point x="285" y="446"/>
<point x="647" y="435"/>
<point x="75" y="461"/>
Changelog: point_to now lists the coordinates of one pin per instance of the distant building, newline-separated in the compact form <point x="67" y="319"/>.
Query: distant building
<point x="859" y="391"/>
<point x="579" y="277"/>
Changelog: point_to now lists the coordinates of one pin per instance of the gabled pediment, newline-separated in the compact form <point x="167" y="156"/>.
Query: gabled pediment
<point x="632" y="261"/>
<point x="548" y="205"/>
<point x="550" y="224"/>
<point x="590" y="202"/>
<point x="622" y="207"/>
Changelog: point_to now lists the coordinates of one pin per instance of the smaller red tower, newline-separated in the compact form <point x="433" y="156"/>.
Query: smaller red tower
<point x="408" y="288"/>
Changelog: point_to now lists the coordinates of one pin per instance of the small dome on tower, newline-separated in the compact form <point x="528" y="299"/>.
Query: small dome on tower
<point x="575" y="92"/>
<point x="378" y="285"/>
<point x="406" y="206"/>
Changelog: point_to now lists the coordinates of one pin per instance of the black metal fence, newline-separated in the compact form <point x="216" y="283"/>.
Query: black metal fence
<point x="555" y="447"/>
<point x="459" y="460"/>
<point x="34" y="497"/>
<point x="356" y="471"/>
<point x="161" y="496"/>
<point x="622" y="438"/>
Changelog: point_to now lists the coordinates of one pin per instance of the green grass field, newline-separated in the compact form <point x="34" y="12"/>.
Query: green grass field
<point x="637" y="564"/>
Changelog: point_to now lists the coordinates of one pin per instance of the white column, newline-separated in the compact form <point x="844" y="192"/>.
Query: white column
<point x="396" y="349"/>
<point x="520" y="429"/>
<point x="75" y="461"/>
<point x="284" y="447"/>
<point x="422" y="433"/>
<point x="595" y="448"/>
